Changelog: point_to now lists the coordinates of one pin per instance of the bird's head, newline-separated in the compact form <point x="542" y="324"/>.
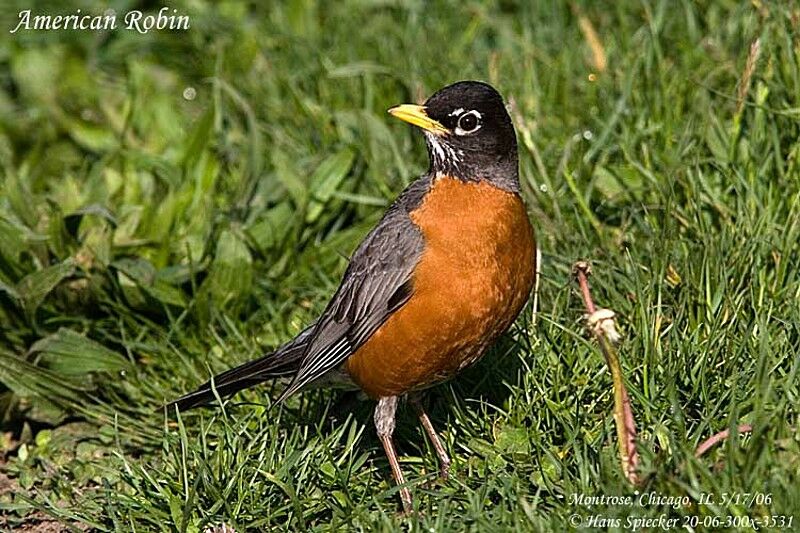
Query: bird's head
<point x="468" y="132"/>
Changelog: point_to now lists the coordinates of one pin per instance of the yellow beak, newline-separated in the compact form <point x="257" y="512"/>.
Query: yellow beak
<point x="416" y="115"/>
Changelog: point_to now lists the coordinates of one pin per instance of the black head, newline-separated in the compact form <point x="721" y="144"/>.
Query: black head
<point x="468" y="132"/>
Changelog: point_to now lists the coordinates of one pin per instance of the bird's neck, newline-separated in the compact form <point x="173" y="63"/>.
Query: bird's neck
<point x="447" y="160"/>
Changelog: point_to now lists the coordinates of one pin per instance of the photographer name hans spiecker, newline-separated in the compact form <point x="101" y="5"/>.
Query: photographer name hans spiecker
<point x="138" y="21"/>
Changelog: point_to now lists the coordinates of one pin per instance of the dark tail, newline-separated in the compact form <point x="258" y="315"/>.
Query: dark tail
<point x="284" y="361"/>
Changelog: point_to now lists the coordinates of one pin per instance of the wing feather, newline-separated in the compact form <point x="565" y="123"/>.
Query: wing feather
<point x="377" y="282"/>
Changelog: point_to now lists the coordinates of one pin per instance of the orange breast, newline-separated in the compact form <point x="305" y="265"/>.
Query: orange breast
<point x="473" y="278"/>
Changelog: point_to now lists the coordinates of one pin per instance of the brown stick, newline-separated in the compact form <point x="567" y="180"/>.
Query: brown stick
<point x="583" y="270"/>
<point x="601" y="323"/>
<point x="719" y="437"/>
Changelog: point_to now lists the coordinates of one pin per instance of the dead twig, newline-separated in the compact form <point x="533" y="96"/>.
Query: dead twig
<point x="719" y="437"/>
<point x="601" y="323"/>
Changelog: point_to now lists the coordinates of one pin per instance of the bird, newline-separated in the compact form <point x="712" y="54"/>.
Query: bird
<point x="446" y="270"/>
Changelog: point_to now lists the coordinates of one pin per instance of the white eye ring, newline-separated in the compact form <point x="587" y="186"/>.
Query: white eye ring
<point x="477" y="116"/>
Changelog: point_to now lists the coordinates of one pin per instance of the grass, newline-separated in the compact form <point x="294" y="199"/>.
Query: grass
<point x="173" y="204"/>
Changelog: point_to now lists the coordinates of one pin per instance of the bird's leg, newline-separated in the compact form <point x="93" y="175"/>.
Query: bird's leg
<point x="444" y="459"/>
<point x="384" y="424"/>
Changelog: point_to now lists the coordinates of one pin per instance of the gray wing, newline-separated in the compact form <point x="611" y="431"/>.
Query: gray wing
<point x="377" y="282"/>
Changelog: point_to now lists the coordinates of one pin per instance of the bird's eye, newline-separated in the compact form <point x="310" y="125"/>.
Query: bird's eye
<point x="469" y="122"/>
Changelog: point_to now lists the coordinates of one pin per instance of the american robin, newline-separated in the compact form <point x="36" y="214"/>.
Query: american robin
<point x="446" y="271"/>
